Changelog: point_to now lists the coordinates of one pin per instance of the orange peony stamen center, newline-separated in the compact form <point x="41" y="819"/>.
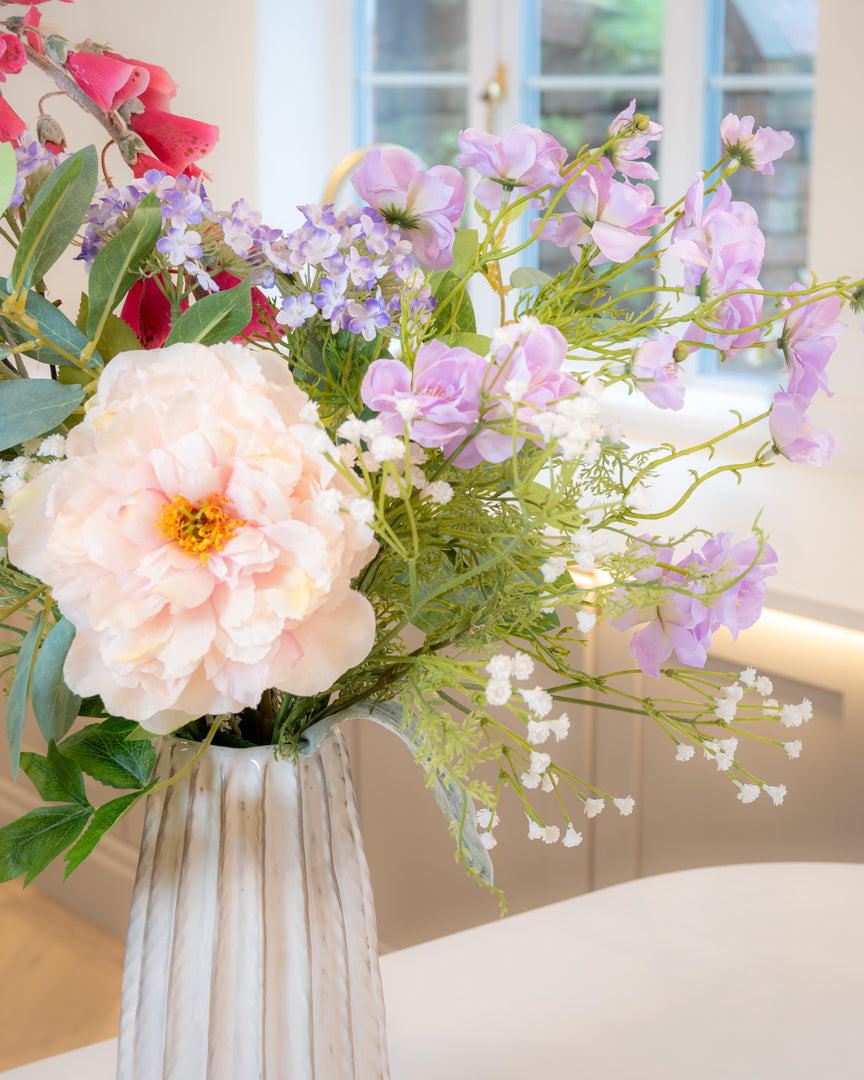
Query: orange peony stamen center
<point x="198" y="530"/>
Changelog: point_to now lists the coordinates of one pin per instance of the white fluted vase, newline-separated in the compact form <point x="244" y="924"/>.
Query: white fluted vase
<point x="252" y="947"/>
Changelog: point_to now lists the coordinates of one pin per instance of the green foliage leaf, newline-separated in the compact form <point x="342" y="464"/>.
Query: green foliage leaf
<point x="217" y="317"/>
<point x="464" y="249"/>
<point x="8" y="174"/>
<point x="527" y="277"/>
<point x="114" y="269"/>
<point x="54" y="704"/>
<point x="29" y="844"/>
<point x="477" y="343"/>
<point x="55" y="777"/>
<point x="457" y="313"/>
<point x="62" y="338"/>
<point x="105" y="818"/>
<point x="103" y="752"/>
<point x="55" y="217"/>
<point x="16" y="703"/>
<point x="30" y="407"/>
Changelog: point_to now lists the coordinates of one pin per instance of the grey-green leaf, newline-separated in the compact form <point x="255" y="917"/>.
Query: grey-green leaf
<point x="54" y="704"/>
<point x="30" y="407"/>
<point x="114" y="270"/>
<point x="16" y="703"/>
<point x="8" y="174"/>
<point x="104" y="753"/>
<point x="55" y="217"/>
<point x="527" y="277"/>
<point x="105" y="818"/>
<point x="29" y="844"/>
<point x="217" y="317"/>
<point x="55" y="777"/>
<point x="61" y="336"/>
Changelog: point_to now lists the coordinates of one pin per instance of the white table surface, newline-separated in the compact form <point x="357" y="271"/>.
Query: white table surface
<point x="725" y="973"/>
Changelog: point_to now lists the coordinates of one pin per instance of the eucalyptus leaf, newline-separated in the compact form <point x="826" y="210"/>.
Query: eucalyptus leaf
<point x="57" y="212"/>
<point x="215" y="318"/>
<point x="455" y="802"/>
<point x="105" y="818"/>
<point x="29" y="844"/>
<point x="8" y="174"/>
<point x="103" y="752"/>
<point x="54" y="704"/>
<point x="16" y="703"/>
<point x="114" y="270"/>
<point x="528" y="277"/>
<point x="31" y="407"/>
<point x="55" y="777"/>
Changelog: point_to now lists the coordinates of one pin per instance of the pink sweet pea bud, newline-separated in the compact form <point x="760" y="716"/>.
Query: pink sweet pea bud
<point x="753" y="151"/>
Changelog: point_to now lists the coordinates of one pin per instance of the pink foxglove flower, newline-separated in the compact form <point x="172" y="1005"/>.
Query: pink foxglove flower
<point x="108" y="80"/>
<point x="809" y="338"/>
<point x="197" y="539"/>
<point x="754" y="151"/>
<point x="628" y="154"/>
<point x="426" y="204"/>
<point x="793" y="434"/>
<point x="525" y="158"/>
<point x="12" y="56"/>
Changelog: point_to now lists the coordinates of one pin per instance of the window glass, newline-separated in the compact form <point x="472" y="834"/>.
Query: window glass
<point x="599" y="38"/>
<point x="429" y="35"/>
<point x="425" y="119"/>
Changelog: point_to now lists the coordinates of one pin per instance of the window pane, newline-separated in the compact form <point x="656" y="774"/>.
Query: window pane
<point x="426" y="120"/>
<point x="770" y="36"/>
<point x="430" y="35"/>
<point x="589" y="37"/>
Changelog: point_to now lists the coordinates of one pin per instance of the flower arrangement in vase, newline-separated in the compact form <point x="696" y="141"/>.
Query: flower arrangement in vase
<point x="263" y="481"/>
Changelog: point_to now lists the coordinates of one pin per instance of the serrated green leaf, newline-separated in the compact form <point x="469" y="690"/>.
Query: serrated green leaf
<point x="56" y="777"/>
<point x="8" y="174"/>
<point x="116" y="337"/>
<point x="527" y="277"/>
<point x="29" y="844"/>
<point x="30" y="407"/>
<point x="103" y="752"/>
<point x="477" y="343"/>
<point x="464" y="249"/>
<point x="216" y="318"/>
<point x="54" y="704"/>
<point x="16" y="703"/>
<point x="114" y="270"/>
<point x="62" y="338"/>
<point x="55" y="217"/>
<point x="105" y="818"/>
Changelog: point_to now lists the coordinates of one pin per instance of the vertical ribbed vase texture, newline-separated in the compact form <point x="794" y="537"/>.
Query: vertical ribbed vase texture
<point x="252" y="948"/>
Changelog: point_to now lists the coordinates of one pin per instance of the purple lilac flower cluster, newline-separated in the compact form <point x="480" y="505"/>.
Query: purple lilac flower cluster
<point x="30" y="157"/>
<point x="683" y="623"/>
<point x="351" y="269"/>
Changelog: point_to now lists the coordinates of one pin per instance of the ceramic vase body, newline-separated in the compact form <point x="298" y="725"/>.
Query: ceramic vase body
<point x="252" y="947"/>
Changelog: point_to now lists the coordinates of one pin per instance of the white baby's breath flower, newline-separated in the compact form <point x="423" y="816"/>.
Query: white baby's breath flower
<point x="551" y="834"/>
<point x="726" y="709"/>
<point x="363" y="511"/>
<point x="586" y="621"/>
<point x="309" y="412"/>
<point x="770" y="707"/>
<point x="793" y="749"/>
<point x="54" y="446"/>
<point x="500" y="666"/>
<point x="351" y="430"/>
<point x="625" y="806"/>
<point x="417" y="454"/>
<point x="684" y="752"/>
<point x="553" y="568"/>
<point x="638" y="499"/>
<point x="593" y="807"/>
<point x="523" y="666"/>
<point x="439" y="491"/>
<point x="539" y="762"/>
<point x="328" y="501"/>
<point x="515" y="390"/>
<point x="387" y="448"/>
<point x="748" y="677"/>
<point x="571" y="837"/>
<point x="796" y="715"/>
<point x="531" y="779"/>
<point x="538" y="701"/>
<point x="348" y="454"/>
<point x="488" y="840"/>
<point x="485" y="818"/>
<point x="538" y="731"/>
<point x="721" y="751"/>
<point x="560" y="727"/>
<point x="535" y="830"/>
<point x="777" y="793"/>
<point x="547" y="784"/>
<point x="764" y="686"/>
<point x="407" y="408"/>
<point x="748" y="793"/>
<point x="391" y="487"/>
<point x="498" y="691"/>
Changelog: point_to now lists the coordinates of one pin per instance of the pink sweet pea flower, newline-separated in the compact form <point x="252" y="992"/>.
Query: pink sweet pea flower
<point x="656" y="372"/>
<point x="439" y="400"/>
<point x="426" y="204"/>
<point x="627" y="154"/>
<point x="12" y="56"/>
<point x="107" y="81"/>
<point x="809" y="338"/>
<point x="523" y="158"/>
<point x="617" y="217"/>
<point x="793" y="434"/>
<point x="740" y="570"/>
<point x="753" y="151"/>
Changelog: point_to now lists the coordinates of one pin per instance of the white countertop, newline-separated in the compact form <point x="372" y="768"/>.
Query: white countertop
<point x="713" y="974"/>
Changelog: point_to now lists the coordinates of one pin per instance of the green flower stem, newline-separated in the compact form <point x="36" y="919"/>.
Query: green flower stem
<point x="23" y="602"/>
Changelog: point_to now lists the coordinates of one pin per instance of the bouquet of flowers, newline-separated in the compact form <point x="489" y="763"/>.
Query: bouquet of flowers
<point x="260" y="478"/>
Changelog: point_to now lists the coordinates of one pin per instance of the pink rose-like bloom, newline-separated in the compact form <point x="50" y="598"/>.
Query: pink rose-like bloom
<point x="627" y="154"/>
<point x="617" y="217"/>
<point x="809" y="338"/>
<point x="427" y="204"/>
<point x="656" y="372"/>
<point x="793" y="434"/>
<point x="440" y="399"/>
<point x="754" y="151"/>
<point x="523" y="158"/>
<point x="176" y="619"/>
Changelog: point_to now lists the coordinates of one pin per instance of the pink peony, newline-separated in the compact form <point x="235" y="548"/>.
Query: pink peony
<point x="425" y="204"/>
<point x="197" y="537"/>
<point x="523" y="158"/>
<point x="754" y="151"/>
